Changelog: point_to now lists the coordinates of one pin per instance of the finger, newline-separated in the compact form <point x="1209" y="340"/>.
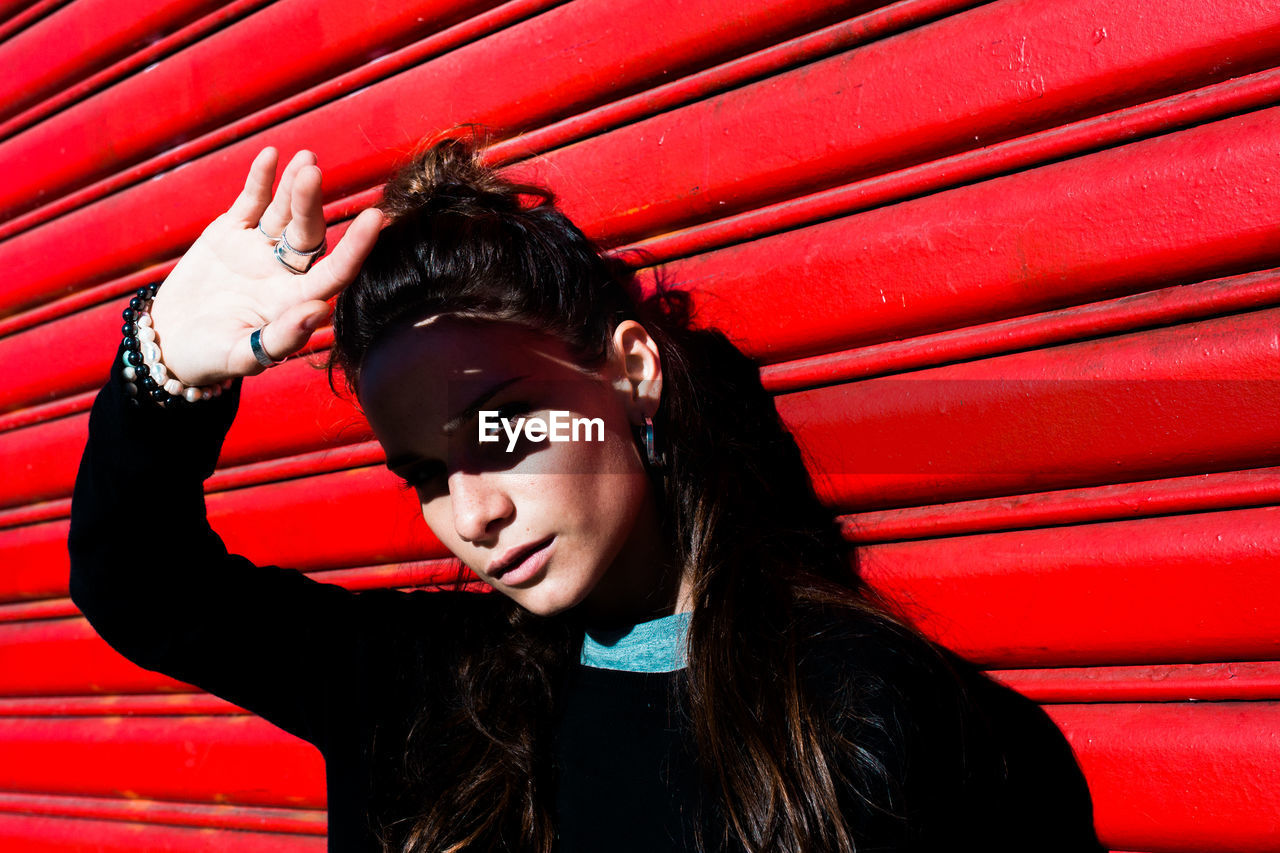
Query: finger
<point x="306" y="223"/>
<point x="339" y="268"/>
<point x="283" y="336"/>
<point x="256" y="195"/>
<point x="277" y="214"/>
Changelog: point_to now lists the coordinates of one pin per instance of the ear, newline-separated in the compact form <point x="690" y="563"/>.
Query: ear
<point x="638" y="369"/>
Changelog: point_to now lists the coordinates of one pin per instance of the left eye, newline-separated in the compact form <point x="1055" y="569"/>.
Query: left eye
<point x="514" y="410"/>
<point x="421" y="475"/>
<point x="510" y="412"/>
<point x="497" y="451"/>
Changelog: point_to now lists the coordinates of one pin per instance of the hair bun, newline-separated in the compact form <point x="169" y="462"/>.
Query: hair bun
<point x="448" y="172"/>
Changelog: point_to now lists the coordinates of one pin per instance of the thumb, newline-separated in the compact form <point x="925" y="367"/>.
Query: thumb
<point x="290" y="332"/>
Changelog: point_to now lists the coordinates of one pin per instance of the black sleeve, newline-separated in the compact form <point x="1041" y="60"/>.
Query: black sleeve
<point x="1028" y="775"/>
<point x="1018" y="785"/>
<point x="159" y="586"/>
<point x="951" y="759"/>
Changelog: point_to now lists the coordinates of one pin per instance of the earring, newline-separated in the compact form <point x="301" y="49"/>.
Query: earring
<point x="655" y="458"/>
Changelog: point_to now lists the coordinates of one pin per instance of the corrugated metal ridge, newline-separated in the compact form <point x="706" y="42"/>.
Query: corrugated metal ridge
<point x="342" y="175"/>
<point x="1216" y="682"/>
<point x="242" y="759"/>
<point x="60" y="51"/>
<point x="692" y="49"/>
<point x="224" y="16"/>
<point x="1140" y="499"/>
<point x="55" y="834"/>
<point x="1072" y="139"/>
<point x="23" y="18"/>
<point x="10" y="8"/>
<point x="756" y="223"/>
<point x="212" y="816"/>
<point x="882" y="262"/>
<point x="1167" y="589"/>
<point x="1157" y="773"/>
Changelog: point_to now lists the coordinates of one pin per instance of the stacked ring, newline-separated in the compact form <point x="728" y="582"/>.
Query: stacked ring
<point x="282" y="248"/>
<point x="308" y="257"/>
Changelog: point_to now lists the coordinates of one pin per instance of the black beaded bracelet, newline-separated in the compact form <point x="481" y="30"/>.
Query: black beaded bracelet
<point x="145" y="376"/>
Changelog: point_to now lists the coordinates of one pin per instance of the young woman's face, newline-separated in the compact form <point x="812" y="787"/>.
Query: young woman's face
<point x="551" y="523"/>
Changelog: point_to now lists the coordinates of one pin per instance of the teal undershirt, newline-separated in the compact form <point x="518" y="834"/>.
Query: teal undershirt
<point x="654" y="646"/>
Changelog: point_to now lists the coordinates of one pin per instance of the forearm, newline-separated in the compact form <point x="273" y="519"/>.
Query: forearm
<point x="138" y="509"/>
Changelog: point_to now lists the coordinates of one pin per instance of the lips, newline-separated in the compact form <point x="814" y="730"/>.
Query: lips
<point x="513" y="557"/>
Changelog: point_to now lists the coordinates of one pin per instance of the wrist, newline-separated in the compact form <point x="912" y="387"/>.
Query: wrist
<point x="147" y="379"/>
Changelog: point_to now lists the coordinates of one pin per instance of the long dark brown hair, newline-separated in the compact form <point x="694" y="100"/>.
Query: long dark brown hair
<point x="771" y="575"/>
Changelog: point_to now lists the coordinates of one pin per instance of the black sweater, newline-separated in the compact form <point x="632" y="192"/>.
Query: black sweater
<point x="979" y="765"/>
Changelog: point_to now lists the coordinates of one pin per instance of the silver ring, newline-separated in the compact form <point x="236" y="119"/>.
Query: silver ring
<point x="282" y="248"/>
<point x="259" y="351"/>
<point x="268" y="236"/>
<point x="307" y="254"/>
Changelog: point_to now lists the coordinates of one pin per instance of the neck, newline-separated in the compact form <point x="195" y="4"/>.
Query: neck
<point x="643" y="583"/>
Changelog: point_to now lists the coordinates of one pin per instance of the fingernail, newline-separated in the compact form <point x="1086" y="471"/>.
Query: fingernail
<point x="314" y="322"/>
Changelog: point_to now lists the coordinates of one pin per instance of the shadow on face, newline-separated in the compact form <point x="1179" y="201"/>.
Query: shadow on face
<point x="525" y="463"/>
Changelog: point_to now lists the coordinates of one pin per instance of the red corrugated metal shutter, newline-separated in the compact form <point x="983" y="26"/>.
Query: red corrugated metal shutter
<point x="1011" y="267"/>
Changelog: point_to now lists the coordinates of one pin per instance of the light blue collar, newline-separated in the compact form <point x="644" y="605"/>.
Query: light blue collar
<point x="654" y="646"/>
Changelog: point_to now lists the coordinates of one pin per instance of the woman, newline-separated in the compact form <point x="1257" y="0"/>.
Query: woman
<point x="678" y="655"/>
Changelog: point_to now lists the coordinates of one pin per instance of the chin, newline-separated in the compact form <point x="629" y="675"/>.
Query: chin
<point x="547" y="599"/>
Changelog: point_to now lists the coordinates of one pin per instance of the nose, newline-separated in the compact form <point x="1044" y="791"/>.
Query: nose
<point x="480" y="505"/>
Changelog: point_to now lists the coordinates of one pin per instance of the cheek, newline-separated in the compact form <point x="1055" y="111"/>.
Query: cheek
<point x="589" y="492"/>
<point x="438" y="514"/>
<point x="617" y="498"/>
<point x="594" y="504"/>
<point x="610" y="503"/>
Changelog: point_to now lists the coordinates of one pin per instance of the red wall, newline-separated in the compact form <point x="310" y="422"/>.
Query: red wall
<point x="1012" y="269"/>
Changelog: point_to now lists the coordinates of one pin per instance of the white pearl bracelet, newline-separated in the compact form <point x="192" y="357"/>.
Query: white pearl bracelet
<point x="144" y="372"/>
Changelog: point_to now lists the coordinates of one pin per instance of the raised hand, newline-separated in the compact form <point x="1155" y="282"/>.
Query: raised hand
<point x="230" y="282"/>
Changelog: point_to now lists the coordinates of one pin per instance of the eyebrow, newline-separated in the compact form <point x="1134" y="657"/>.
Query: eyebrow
<point x="455" y="423"/>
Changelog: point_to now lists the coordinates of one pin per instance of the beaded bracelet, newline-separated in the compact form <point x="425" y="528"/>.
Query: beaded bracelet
<point x="146" y="377"/>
